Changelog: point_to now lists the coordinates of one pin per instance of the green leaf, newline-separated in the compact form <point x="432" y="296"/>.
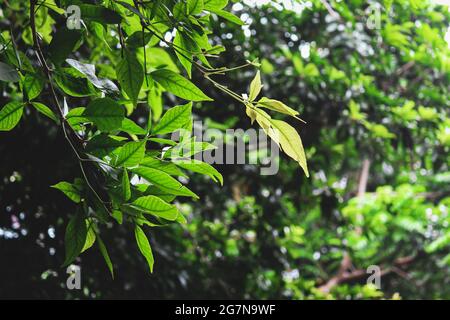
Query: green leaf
<point x="76" y="117"/>
<point x="228" y="16"/>
<point x="52" y="5"/>
<point x="194" y="7"/>
<point x="102" y="145"/>
<point x="138" y="39"/>
<point x="291" y="143"/>
<point x="380" y="131"/>
<point x="132" y="9"/>
<point x="130" y="75"/>
<point x="126" y="188"/>
<point x="156" y="206"/>
<point x="186" y="47"/>
<point x="73" y="83"/>
<point x="33" y="85"/>
<point x="255" y="87"/>
<point x="131" y="154"/>
<point x="75" y="238"/>
<point x="46" y="111"/>
<point x="159" y="58"/>
<point x="174" y="119"/>
<point x="99" y="14"/>
<point x="70" y="190"/>
<point x="215" y="4"/>
<point x="158" y="192"/>
<point x="163" y="141"/>
<point x="90" y="236"/>
<point x="438" y="244"/>
<point x="105" y="113"/>
<point x="200" y="167"/>
<point x="264" y="120"/>
<point x="118" y="216"/>
<point x="144" y="246"/>
<point x="165" y="166"/>
<point x="178" y="85"/>
<point x="155" y="103"/>
<point x="311" y="71"/>
<point x="105" y="255"/>
<point x="10" y="115"/>
<point x="188" y="148"/>
<point x="164" y="181"/>
<point x="8" y="73"/>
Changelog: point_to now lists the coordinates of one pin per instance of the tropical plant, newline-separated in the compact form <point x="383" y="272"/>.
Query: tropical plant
<point x="127" y="170"/>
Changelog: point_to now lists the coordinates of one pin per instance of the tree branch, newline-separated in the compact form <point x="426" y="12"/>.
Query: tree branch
<point x="71" y="136"/>
<point x="345" y="276"/>
<point x="346" y="262"/>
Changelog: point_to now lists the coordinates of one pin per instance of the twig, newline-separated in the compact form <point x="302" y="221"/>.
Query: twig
<point x="330" y="10"/>
<point x="346" y="259"/>
<point x="48" y="71"/>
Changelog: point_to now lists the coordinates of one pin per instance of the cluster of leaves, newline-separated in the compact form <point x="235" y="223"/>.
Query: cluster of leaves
<point x="128" y="172"/>
<point x="365" y="97"/>
<point x="366" y="94"/>
<point x="397" y="223"/>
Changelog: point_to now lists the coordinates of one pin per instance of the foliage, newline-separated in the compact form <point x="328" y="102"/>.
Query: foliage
<point x="376" y="105"/>
<point x="123" y="178"/>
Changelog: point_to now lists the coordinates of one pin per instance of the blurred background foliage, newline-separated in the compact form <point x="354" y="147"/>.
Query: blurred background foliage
<point x="375" y="99"/>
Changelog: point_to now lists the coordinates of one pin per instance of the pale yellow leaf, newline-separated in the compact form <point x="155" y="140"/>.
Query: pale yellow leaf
<point x="290" y="143"/>
<point x="250" y="113"/>
<point x="278" y="106"/>
<point x="255" y="87"/>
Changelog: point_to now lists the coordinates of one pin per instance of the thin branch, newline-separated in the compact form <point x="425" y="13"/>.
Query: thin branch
<point x="330" y="10"/>
<point x="346" y="262"/>
<point x="359" y="274"/>
<point x="48" y="71"/>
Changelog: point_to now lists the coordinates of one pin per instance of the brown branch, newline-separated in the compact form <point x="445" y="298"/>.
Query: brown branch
<point x="346" y="262"/>
<point x="341" y="274"/>
<point x="405" y="68"/>
<point x="363" y="178"/>
<point x="345" y="276"/>
<point x="71" y="136"/>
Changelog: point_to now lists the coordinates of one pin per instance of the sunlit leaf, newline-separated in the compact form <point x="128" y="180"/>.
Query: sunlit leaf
<point x="174" y="119"/>
<point x="156" y="206"/>
<point x="163" y="181"/>
<point x="126" y="188"/>
<point x="10" y="115"/>
<point x="75" y="238"/>
<point x="131" y="154"/>
<point x="46" y="111"/>
<point x="200" y="167"/>
<point x="290" y="142"/>
<point x="144" y="246"/>
<point x="178" y="85"/>
<point x="130" y="75"/>
<point x="70" y="190"/>
<point x="105" y="113"/>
